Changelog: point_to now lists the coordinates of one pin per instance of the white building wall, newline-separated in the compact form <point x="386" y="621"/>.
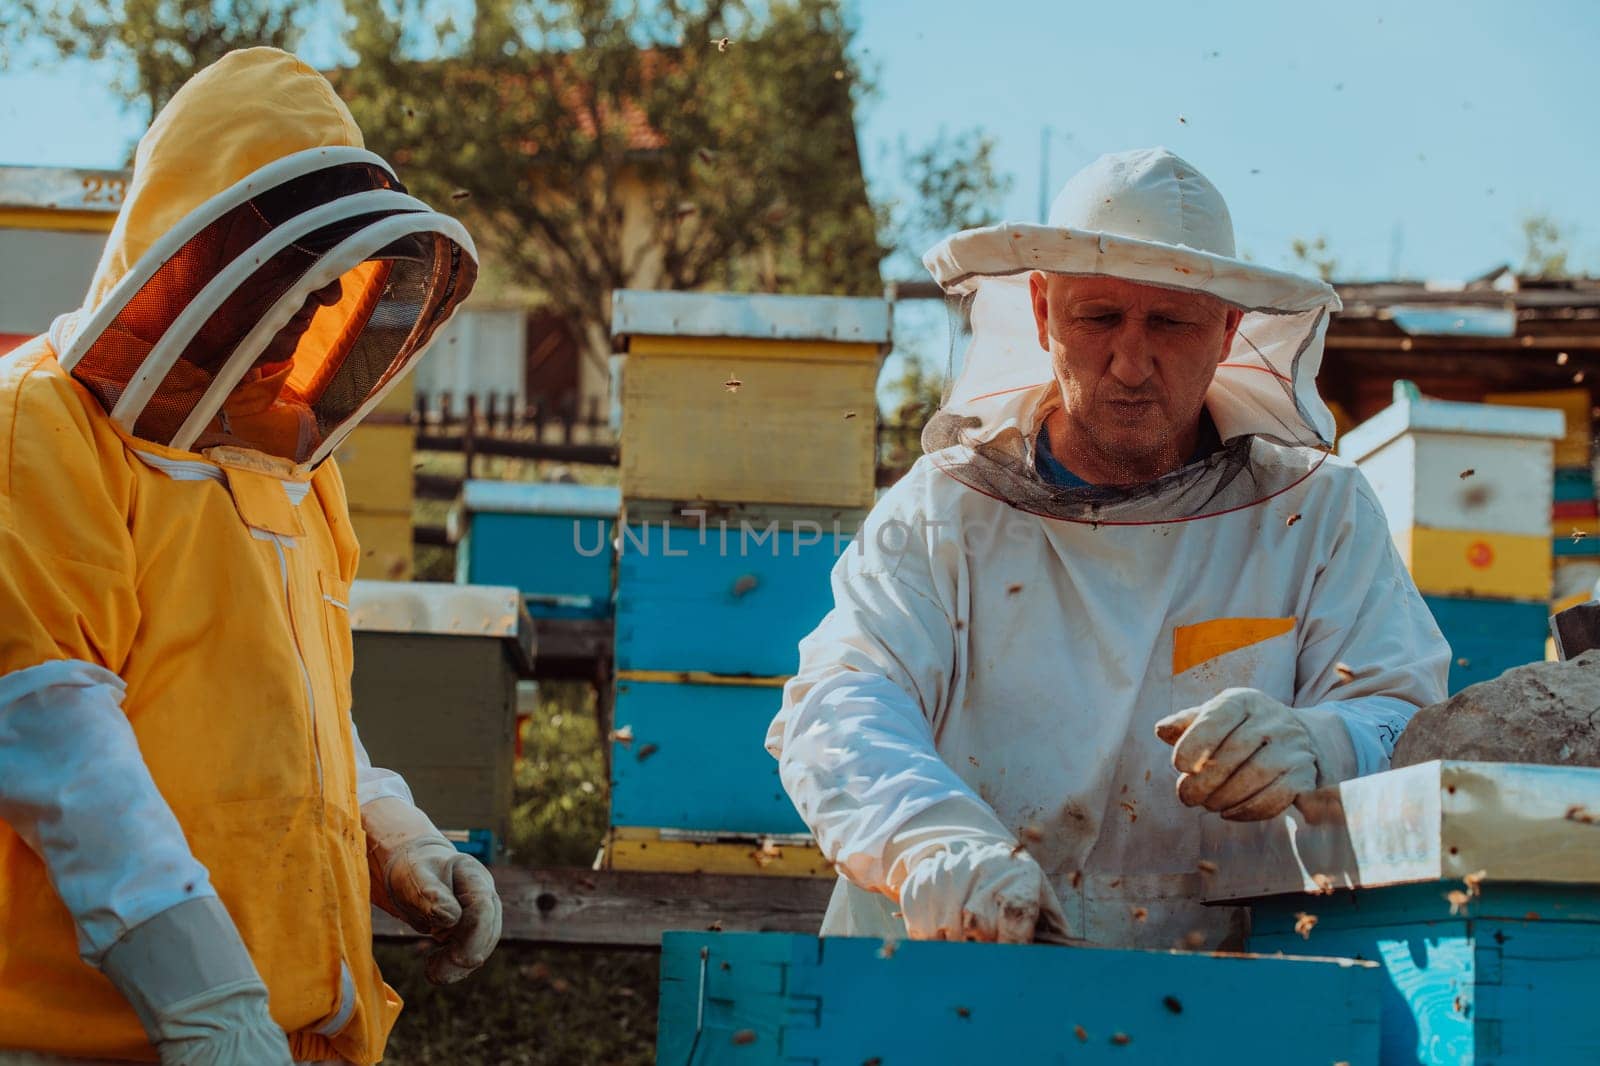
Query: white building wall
<point x="479" y="352"/>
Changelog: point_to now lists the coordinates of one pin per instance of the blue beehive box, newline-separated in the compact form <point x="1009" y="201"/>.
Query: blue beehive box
<point x="731" y="595"/>
<point x="1489" y="637"/>
<point x="692" y="759"/>
<point x="771" y="998"/>
<point x="1573" y="484"/>
<point x="554" y="542"/>
<point x="1475" y="886"/>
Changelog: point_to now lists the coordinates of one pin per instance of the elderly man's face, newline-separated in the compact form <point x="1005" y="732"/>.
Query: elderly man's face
<point x="1133" y="363"/>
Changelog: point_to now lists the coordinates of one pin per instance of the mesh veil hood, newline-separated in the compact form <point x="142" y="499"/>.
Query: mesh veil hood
<point x="1145" y="216"/>
<point x="267" y="279"/>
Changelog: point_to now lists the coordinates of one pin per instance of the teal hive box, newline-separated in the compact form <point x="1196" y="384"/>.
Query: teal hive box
<point x="776" y="998"/>
<point x="695" y="760"/>
<point x="1574" y="483"/>
<point x="731" y="594"/>
<point x="1476" y="887"/>
<point x="554" y="542"/>
<point x="1489" y="637"/>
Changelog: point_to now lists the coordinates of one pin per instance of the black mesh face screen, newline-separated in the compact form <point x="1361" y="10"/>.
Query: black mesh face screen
<point x="114" y="357"/>
<point x="345" y="341"/>
<point x="383" y="345"/>
<point x="298" y="195"/>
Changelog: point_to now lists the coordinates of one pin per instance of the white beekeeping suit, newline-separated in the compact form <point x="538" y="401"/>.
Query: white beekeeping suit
<point x="985" y="690"/>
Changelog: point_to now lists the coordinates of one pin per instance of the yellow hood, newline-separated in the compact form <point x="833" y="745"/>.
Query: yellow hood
<point x="251" y="195"/>
<point x="246" y="110"/>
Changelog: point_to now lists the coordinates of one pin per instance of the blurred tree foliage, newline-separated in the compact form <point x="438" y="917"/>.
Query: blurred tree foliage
<point x="1546" y="248"/>
<point x="589" y="145"/>
<point x="1314" y="255"/>
<point x="952" y="185"/>
<point x="597" y="144"/>
<point x="152" y="45"/>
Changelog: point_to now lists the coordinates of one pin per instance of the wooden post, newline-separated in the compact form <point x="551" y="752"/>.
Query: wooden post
<point x="471" y="428"/>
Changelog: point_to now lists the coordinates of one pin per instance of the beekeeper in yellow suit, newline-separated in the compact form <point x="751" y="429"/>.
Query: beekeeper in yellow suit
<point x="190" y="831"/>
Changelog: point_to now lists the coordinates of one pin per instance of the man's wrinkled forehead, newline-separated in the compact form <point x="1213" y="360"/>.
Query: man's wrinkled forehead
<point x="1080" y="290"/>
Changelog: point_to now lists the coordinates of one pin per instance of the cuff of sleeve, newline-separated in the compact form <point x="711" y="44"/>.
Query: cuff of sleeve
<point x="182" y="953"/>
<point x="1334" y="743"/>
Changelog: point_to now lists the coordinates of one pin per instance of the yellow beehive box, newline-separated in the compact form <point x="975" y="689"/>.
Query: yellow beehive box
<point x="375" y="460"/>
<point x="1454" y="562"/>
<point x="399" y="401"/>
<point x="682" y="852"/>
<point x="755" y="399"/>
<point x="1575" y="447"/>
<point x="385" y="536"/>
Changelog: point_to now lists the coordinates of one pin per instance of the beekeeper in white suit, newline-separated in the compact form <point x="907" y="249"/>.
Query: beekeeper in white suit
<point x="1127" y="523"/>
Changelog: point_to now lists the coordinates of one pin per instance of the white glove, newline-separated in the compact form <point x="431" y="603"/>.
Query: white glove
<point x="960" y="876"/>
<point x="1247" y="756"/>
<point x="188" y="977"/>
<point x="419" y="877"/>
<point x="989" y="892"/>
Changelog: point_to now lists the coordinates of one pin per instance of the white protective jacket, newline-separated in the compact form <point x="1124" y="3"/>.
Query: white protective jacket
<point x="1003" y="649"/>
<point x="1020" y="662"/>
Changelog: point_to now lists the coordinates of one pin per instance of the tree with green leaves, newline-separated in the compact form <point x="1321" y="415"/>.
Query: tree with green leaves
<point x="589" y="145"/>
<point x="152" y="45"/>
<point x="1313" y="254"/>
<point x="1546" y="248"/>
<point x="593" y="145"/>
<point x="952" y="184"/>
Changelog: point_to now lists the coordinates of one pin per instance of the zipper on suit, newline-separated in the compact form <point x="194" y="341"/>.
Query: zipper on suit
<point x="299" y="657"/>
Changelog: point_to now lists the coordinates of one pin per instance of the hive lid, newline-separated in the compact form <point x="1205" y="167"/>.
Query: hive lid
<point x="430" y="608"/>
<point x="63" y="189"/>
<point x="1411" y="413"/>
<point x="542" y="497"/>
<point x="1429" y="822"/>
<point x="760" y="316"/>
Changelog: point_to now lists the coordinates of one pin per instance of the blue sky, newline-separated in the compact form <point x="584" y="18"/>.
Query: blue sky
<point x="1414" y="136"/>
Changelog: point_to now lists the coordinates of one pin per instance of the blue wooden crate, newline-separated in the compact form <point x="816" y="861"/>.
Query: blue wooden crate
<point x="554" y="542"/>
<point x="696" y="761"/>
<point x="1489" y="637"/>
<point x="1507" y="979"/>
<point x="734" y="601"/>
<point x="776" y="998"/>
<point x="1574" y="483"/>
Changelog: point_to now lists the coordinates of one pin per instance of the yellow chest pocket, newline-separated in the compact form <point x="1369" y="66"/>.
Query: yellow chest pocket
<point x="1222" y="653"/>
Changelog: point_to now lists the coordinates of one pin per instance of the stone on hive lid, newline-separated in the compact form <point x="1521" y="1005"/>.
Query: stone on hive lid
<point x="1541" y="713"/>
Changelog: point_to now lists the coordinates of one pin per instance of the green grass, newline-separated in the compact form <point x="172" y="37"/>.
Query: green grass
<point x="534" y="1006"/>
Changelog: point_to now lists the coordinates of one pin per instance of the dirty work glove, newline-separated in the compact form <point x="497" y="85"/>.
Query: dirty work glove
<point x="188" y="977"/>
<point x="1247" y="756"/>
<point x="980" y="891"/>
<point x="959" y="875"/>
<point x="419" y="877"/>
